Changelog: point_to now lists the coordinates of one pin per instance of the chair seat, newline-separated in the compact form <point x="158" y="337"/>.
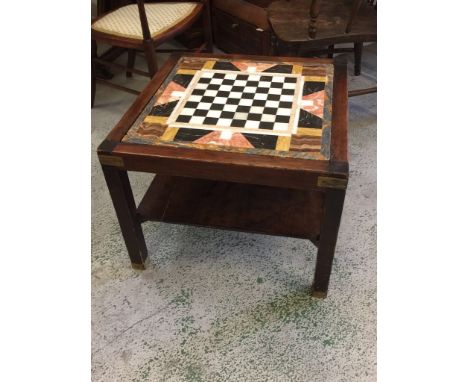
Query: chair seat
<point x="125" y="21"/>
<point x="290" y="21"/>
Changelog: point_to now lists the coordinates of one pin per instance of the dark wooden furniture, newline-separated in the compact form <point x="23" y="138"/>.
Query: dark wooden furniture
<point x="311" y="27"/>
<point x="242" y="26"/>
<point x="140" y="27"/>
<point x="248" y="143"/>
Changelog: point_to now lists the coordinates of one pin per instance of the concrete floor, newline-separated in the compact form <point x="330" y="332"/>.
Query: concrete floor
<point x="227" y="306"/>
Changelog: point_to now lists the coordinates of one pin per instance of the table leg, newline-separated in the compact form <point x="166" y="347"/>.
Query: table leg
<point x="334" y="200"/>
<point x="125" y="208"/>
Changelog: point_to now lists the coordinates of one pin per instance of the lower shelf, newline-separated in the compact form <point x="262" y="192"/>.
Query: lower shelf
<point x="233" y="206"/>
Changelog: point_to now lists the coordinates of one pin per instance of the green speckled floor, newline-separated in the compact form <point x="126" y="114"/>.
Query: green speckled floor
<point x="227" y="306"/>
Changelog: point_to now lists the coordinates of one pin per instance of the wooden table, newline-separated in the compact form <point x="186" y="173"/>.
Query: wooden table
<point x="237" y="142"/>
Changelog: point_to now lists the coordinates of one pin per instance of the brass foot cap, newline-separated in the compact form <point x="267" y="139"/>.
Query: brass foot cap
<point x="318" y="294"/>
<point x="140" y="267"/>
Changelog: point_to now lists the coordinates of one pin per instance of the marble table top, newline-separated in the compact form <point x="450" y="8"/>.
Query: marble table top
<point x="260" y="107"/>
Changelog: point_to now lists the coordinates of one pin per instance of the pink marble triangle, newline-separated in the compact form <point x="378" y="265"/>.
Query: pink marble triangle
<point x="259" y="67"/>
<point x="166" y="96"/>
<point x="314" y="103"/>
<point x="214" y="138"/>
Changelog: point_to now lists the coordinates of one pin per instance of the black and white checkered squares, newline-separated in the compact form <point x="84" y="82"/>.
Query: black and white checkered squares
<point x="242" y="100"/>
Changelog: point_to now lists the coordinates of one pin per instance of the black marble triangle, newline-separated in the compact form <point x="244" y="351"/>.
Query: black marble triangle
<point x="312" y="87"/>
<point x="225" y="65"/>
<point x="163" y="110"/>
<point x="260" y="141"/>
<point x="183" y="79"/>
<point x="307" y="119"/>
<point x="280" y="69"/>
<point x="190" y="135"/>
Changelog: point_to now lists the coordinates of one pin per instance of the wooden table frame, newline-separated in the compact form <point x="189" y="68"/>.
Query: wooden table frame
<point x="322" y="183"/>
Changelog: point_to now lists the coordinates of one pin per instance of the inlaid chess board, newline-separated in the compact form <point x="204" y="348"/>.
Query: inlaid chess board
<point x="267" y="108"/>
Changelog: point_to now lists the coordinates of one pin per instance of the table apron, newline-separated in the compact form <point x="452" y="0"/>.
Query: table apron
<point x="275" y="177"/>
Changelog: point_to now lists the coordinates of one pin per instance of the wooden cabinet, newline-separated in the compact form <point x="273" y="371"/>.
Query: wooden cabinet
<point x="235" y="35"/>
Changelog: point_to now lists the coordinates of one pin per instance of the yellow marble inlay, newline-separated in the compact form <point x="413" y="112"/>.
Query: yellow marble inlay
<point x="169" y="134"/>
<point x="155" y="119"/>
<point x="283" y="143"/>
<point x="315" y="78"/>
<point x="186" y="71"/>
<point x="209" y="64"/>
<point x="309" y="131"/>
<point x="297" y="69"/>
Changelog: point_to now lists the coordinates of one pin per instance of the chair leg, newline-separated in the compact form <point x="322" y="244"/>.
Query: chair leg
<point x="131" y="61"/>
<point x="330" y="51"/>
<point x="207" y="30"/>
<point x="93" y="71"/>
<point x="273" y="45"/>
<point x="150" y="57"/>
<point x="357" y="58"/>
<point x="297" y="49"/>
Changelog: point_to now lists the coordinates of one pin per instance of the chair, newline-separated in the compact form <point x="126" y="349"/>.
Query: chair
<point x="313" y="27"/>
<point x="143" y="27"/>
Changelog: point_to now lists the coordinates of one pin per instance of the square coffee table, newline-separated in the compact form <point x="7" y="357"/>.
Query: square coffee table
<point x="256" y="144"/>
